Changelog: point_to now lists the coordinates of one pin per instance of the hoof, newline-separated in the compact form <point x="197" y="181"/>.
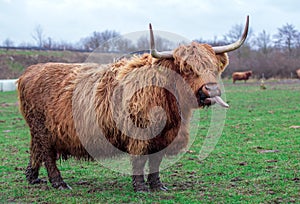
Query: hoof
<point x="160" y="188"/>
<point x="66" y="187"/>
<point x="155" y="183"/>
<point x="143" y="189"/>
<point x="140" y="187"/>
<point x="139" y="184"/>
<point x="58" y="182"/>
<point x="37" y="181"/>
<point x="61" y="186"/>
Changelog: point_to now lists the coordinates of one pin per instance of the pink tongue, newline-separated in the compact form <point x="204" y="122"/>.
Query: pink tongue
<point x="220" y="101"/>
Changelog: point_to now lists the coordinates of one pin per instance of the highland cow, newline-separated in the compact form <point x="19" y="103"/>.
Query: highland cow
<point x="66" y="106"/>
<point x="241" y="76"/>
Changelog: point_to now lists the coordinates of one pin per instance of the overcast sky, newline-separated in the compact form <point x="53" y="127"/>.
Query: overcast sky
<point x="71" y="20"/>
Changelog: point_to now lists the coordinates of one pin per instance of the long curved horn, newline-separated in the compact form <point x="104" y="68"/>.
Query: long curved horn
<point x="154" y="52"/>
<point x="235" y="45"/>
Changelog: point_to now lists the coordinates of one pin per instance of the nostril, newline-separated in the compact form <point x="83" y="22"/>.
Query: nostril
<point x="205" y="90"/>
<point x="207" y="87"/>
<point x="211" y="87"/>
<point x="215" y="92"/>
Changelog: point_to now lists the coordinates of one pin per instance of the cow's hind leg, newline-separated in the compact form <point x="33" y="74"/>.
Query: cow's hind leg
<point x="37" y="131"/>
<point x="53" y="173"/>
<point x="32" y="173"/>
<point x="153" y="177"/>
<point x="138" y="181"/>
<point x="41" y="150"/>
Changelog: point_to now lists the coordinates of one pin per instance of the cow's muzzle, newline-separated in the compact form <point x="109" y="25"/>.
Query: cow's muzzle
<point x="209" y="94"/>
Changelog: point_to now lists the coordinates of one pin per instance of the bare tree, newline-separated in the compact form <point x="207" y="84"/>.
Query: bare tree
<point x="48" y="43"/>
<point x="235" y="32"/>
<point x="264" y="42"/>
<point x="241" y="54"/>
<point x="143" y="43"/>
<point x="162" y="44"/>
<point x="38" y="35"/>
<point x="124" y="45"/>
<point x="287" y="37"/>
<point x="8" y="43"/>
<point x="108" y="34"/>
<point x="298" y="46"/>
<point x="214" y="42"/>
<point x="99" y="40"/>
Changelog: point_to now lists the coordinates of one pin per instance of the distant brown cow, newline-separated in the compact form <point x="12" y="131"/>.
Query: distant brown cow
<point x="241" y="76"/>
<point x="298" y="73"/>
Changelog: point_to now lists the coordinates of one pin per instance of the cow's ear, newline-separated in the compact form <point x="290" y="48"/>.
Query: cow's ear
<point x="223" y="61"/>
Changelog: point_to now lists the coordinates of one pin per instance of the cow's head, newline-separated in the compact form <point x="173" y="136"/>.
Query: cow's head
<point x="201" y="66"/>
<point x="249" y="73"/>
<point x="298" y="73"/>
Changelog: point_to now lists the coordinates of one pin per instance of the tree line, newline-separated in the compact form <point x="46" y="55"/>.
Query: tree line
<point x="265" y="54"/>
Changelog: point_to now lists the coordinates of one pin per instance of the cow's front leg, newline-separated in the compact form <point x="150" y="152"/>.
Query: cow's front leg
<point x="153" y="176"/>
<point x="138" y="181"/>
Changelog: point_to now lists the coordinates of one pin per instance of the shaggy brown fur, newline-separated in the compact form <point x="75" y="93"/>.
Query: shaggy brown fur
<point x="241" y="76"/>
<point x="65" y="106"/>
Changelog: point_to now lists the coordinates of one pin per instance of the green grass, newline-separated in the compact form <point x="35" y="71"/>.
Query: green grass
<point x="239" y="170"/>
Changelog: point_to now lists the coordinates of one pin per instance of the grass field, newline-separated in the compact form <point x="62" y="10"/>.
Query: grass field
<point x="257" y="159"/>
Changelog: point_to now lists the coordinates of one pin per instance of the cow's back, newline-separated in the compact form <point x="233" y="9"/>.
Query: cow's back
<point x="42" y="84"/>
